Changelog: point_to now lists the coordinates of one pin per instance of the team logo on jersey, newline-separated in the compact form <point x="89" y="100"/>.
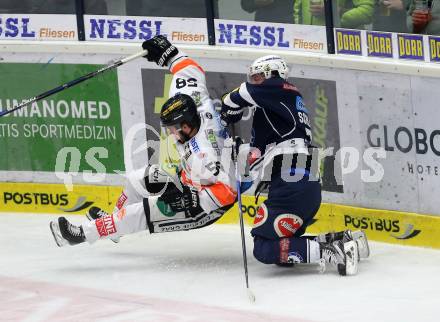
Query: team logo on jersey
<point x="210" y="136"/>
<point x="300" y="105"/>
<point x="187" y="155"/>
<point x="197" y="97"/>
<point x="294" y="257"/>
<point x="194" y="145"/>
<point x="213" y="140"/>
<point x="187" y="151"/>
<point x="208" y="115"/>
<point x="286" y="225"/>
<point x="261" y="216"/>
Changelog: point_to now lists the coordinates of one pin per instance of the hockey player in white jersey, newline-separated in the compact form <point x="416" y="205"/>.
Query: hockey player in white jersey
<point x="204" y="186"/>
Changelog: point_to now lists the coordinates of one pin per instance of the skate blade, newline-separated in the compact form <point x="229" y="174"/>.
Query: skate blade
<point x="56" y="233"/>
<point x="321" y="266"/>
<point x="352" y="258"/>
<point x="115" y="239"/>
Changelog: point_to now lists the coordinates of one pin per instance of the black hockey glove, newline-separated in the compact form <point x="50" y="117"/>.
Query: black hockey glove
<point x="181" y="201"/>
<point x="230" y="114"/>
<point x="160" y="50"/>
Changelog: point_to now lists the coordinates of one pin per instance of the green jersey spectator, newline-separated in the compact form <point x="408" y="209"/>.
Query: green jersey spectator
<point x="353" y="14"/>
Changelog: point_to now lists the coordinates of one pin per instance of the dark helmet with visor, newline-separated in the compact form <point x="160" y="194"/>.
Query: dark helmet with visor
<point x="179" y="109"/>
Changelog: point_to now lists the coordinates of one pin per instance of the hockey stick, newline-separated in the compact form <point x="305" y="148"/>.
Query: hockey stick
<point x="74" y="82"/>
<point x="240" y="212"/>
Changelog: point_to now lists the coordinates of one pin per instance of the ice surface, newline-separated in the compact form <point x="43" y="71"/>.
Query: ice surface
<point x="198" y="276"/>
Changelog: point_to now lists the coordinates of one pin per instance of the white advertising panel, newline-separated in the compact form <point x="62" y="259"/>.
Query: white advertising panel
<point x="270" y="35"/>
<point x="425" y="137"/>
<point x="137" y="29"/>
<point x="386" y="121"/>
<point x="38" y="27"/>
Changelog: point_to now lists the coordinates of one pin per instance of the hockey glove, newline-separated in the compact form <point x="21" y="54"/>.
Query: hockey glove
<point x="181" y="201"/>
<point x="230" y="114"/>
<point x="160" y="50"/>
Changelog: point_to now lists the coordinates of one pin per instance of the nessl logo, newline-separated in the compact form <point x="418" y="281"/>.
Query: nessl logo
<point x="263" y="35"/>
<point x="253" y="35"/>
<point x="118" y="28"/>
<point x="15" y="27"/>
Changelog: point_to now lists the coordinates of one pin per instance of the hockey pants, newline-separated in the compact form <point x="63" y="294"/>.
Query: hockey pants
<point x="283" y="218"/>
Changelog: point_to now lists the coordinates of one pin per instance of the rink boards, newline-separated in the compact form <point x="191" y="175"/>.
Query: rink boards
<point x="394" y="227"/>
<point x="380" y="116"/>
<point x="373" y="159"/>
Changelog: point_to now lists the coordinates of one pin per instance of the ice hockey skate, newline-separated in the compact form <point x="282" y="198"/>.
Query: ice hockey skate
<point x="358" y="236"/>
<point x="95" y="213"/>
<point x="344" y="256"/>
<point x="65" y="233"/>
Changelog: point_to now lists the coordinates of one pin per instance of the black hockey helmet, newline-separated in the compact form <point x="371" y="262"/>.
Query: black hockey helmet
<point x="180" y="108"/>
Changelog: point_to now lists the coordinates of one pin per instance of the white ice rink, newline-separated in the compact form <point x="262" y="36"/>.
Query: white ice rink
<point x="198" y="276"/>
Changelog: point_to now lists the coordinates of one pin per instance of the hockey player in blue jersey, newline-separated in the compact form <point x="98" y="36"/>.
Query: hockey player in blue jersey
<point x="282" y="158"/>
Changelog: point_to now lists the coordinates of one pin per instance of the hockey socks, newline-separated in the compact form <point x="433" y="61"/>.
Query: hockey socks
<point x="286" y="250"/>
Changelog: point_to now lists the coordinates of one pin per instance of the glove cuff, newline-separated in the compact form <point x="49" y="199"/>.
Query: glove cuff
<point x="181" y="55"/>
<point x="167" y="55"/>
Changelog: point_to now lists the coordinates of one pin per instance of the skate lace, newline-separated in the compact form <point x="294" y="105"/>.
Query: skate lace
<point x="74" y="230"/>
<point x="329" y="256"/>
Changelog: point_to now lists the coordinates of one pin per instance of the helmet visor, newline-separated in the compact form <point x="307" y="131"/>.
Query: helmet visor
<point x="255" y="79"/>
<point x="176" y="131"/>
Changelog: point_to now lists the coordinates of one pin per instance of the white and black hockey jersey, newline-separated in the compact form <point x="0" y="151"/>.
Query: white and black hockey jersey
<point x="205" y="162"/>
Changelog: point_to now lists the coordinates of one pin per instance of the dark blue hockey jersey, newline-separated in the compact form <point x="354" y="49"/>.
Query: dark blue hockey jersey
<point x="280" y="113"/>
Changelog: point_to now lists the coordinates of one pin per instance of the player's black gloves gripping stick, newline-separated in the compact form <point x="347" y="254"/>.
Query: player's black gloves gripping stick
<point x="180" y="201"/>
<point x="160" y="50"/>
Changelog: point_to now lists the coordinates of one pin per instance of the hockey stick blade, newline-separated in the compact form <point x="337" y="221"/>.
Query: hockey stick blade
<point x="74" y="82"/>
<point x="251" y="295"/>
